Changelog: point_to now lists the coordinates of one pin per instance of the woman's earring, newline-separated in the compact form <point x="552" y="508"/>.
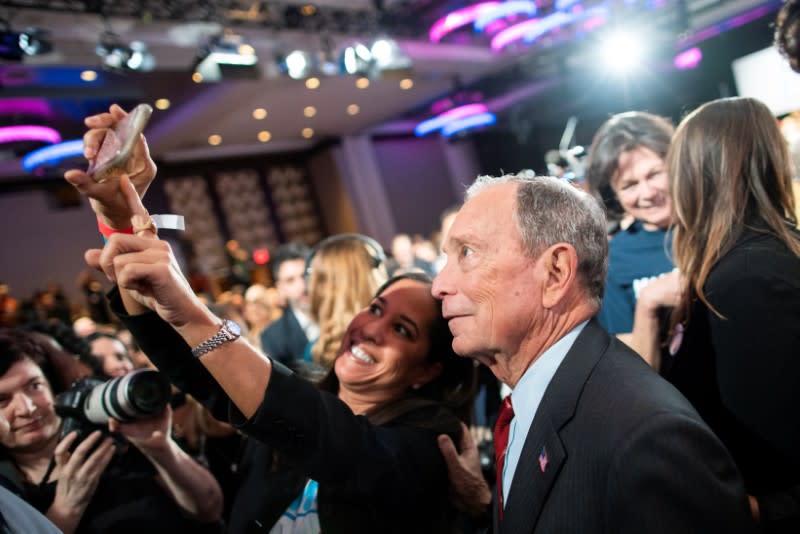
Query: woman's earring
<point x="416" y="386"/>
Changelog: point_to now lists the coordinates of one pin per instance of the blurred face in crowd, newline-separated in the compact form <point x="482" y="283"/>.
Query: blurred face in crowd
<point x="113" y="355"/>
<point x="26" y="403"/>
<point x="403" y="251"/>
<point x="489" y="285"/>
<point x="291" y="283"/>
<point x="642" y="187"/>
<point x="386" y="346"/>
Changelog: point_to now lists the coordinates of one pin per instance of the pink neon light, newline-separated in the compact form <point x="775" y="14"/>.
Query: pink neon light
<point x="514" y="33"/>
<point x="463" y="111"/>
<point x="11" y="134"/>
<point x="457" y="19"/>
<point x="688" y="59"/>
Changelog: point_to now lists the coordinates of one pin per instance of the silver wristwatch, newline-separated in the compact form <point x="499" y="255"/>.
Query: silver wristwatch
<point x="228" y="331"/>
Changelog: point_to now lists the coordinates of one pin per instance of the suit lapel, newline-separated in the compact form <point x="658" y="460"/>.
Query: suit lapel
<point x="539" y="465"/>
<point x="543" y="454"/>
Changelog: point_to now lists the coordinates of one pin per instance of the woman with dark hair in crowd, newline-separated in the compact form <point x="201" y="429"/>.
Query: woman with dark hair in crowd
<point x="88" y="488"/>
<point x="735" y="327"/>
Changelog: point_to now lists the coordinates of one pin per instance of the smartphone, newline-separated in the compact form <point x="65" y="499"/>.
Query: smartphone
<point x="117" y="146"/>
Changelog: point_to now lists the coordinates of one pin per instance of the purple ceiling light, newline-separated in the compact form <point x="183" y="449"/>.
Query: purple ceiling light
<point x="458" y="19"/>
<point x="506" y="9"/>
<point x="531" y="30"/>
<point x="38" y="107"/>
<point x="468" y="123"/>
<point x="688" y="59"/>
<point x="453" y="115"/>
<point x="12" y="134"/>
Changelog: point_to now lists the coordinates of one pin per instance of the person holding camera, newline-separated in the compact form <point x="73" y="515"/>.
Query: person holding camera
<point x="97" y="484"/>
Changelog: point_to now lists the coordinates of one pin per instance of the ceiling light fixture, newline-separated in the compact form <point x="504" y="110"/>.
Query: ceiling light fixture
<point x="227" y="55"/>
<point x="458" y="19"/>
<point x="13" y="134"/>
<point x="504" y="10"/>
<point x="16" y="45"/>
<point x="52" y="154"/>
<point x="438" y="122"/>
<point x="118" y="56"/>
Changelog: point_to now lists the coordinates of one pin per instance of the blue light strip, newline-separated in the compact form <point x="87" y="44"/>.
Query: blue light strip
<point x="482" y="119"/>
<point x="52" y="154"/>
<point x="506" y="9"/>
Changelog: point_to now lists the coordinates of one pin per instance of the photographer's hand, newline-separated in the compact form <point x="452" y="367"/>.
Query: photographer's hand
<point x="191" y="485"/>
<point x="105" y="197"/>
<point x="469" y="491"/>
<point x="78" y="475"/>
<point x="150" y="435"/>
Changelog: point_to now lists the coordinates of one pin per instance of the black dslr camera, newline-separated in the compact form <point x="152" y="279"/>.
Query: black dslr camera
<point x="90" y="403"/>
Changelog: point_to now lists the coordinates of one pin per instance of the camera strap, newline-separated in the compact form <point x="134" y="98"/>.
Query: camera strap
<point x="50" y="468"/>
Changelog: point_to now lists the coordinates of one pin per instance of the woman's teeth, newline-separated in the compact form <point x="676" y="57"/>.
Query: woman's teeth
<point x="360" y="355"/>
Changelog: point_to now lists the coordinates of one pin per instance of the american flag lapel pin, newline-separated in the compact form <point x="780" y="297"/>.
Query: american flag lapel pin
<point x="543" y="460"/>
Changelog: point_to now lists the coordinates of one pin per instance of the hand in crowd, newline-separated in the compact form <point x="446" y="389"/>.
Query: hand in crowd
<point x="105" y="197"/>
<point x="469" y="491"/>
<point x="663" y="292"/>
<point x="79" y="475"/>
<point x="149" y="435"/>
<point x="145" y="267"/>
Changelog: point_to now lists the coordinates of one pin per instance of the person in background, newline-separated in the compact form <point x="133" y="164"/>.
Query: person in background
<point x="403" y="259"/>
<point x="588" y="421"/>
<point x="111" y="353"/>
<point x="285" y="340"/>
<point x="735" y="336"/>
<point x="261" y="309"/>
<point x="626" y="169"/>
<point x="343" y="274"/>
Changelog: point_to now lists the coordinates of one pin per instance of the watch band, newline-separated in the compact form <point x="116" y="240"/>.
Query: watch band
<point x="228" y="331"/>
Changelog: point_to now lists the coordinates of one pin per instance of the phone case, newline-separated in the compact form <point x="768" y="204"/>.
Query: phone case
<point x="118" y="144"/>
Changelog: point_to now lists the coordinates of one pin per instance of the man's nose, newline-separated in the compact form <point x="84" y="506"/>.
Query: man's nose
<point x="442" y="283"/>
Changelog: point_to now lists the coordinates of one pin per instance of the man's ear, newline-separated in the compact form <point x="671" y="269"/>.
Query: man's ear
<point x="560" y="263"/>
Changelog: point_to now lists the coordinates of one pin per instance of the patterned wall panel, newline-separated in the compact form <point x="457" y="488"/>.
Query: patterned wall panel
<point x="246" y="211"/>
<point x="294" y="205"/>
<point x="188" y="196"/>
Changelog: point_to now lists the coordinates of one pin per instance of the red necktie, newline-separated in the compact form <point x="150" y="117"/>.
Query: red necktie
<point x="500" y="444"/>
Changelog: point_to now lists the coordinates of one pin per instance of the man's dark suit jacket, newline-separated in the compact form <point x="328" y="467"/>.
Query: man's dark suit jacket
<point x="625" y="452"/>
<point x="284" y="340"/>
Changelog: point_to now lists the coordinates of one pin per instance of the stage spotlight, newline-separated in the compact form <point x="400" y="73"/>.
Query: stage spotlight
<point x="622" y="52"/>
<point x="227" y="56"/>
<point x="116" y="55"/>
<point x="297" y="64"/>
<point x="356" y="59"/>
<point x="388" y="56"/>
<point x="15" y="45"/>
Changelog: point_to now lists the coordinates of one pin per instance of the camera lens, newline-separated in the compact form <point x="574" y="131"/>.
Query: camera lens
<point x="135" y="395"/>
<point x="148" y="395"/>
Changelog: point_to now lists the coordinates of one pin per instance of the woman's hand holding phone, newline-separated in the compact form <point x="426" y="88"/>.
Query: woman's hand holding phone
<point x="114" y="145"/>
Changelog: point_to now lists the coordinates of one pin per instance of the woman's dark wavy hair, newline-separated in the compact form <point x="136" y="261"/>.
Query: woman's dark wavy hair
<point x="619" y="134"/>
<point x="454" y="388"/>
<point x="71" y="342"/>
<point x="58" y="367"/>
